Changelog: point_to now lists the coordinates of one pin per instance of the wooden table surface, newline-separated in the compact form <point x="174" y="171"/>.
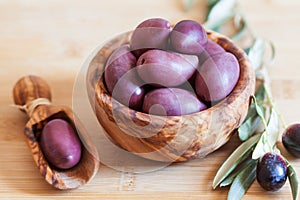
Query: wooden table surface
<point x="52" y="39"/>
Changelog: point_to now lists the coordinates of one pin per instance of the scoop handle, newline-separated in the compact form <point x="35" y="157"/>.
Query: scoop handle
<point x="29" y="88"/>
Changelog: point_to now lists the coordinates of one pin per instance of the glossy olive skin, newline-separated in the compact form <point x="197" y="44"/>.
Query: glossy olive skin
<point x="291" y="139"/>
<point x="217" y="77"/>
<point x="60" y="144"/>
<point x="171" y="102"/>
<point x="211" y="49"/>
<point x="120" y="61"/>
<point x="150" y="34"/>
<point x="188" y="37"/>
<point x="130" y="90"/>
<point x="271" y="172"/>
<point x="163" y="68"/>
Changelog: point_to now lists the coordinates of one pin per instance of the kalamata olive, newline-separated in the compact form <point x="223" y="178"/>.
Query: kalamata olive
<point x="211" y="49"/>
<point x="291" y="139"/>
<point x="271" y="172"/>
<point x="120" y="61"/>
<point x="188" y="37"/>
<point x="171" y="102"/>
<point x="158" y="67"/>
<point x="130" y="90"/>
<point x="60" y="144"/>
<point x="217" y="77"/>
<point x="150" y="34"/>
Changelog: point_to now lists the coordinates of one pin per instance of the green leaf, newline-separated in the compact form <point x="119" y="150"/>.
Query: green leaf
<point x="242" y="182"/>
<point x="267" y="142"/>
<point x="212" y="2"/>
<point x="256" y="53"/>
<point x="232" y="176"/>
<point x="260" y="111"/>
<point x="220" y="13"/>
<point x="260" y="94"/>
<point x="293" y="180"/>
<point x="234" y="159"/>
<point x="247" y="50"/>
<point x="241" y="27"/>
<point x="210" y="5"/>
<point x="248" y="128"/>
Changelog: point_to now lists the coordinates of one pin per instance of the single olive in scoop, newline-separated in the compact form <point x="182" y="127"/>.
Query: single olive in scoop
<point x="60" y="144"/>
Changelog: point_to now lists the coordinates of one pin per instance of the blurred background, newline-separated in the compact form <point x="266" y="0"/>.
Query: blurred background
<point x="52" y="39"/>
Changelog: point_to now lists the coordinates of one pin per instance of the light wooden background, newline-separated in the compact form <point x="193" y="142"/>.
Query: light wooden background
<point x="52" y="39"/>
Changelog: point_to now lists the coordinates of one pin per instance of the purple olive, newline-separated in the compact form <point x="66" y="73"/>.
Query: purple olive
<point x="60" y="144"/>
<point x="120" y="61"/>
<point x="130" y="90"/>
<point x="188" y="37"/>
<point x="150" y="34"/>
<point x="171" y="102"/>
<point x="163" y="68"/>
<point x="217" y="77"/>
<point x="291" y="139"/>
<point x="271" y="172"/>
<point x="211" y="49"/>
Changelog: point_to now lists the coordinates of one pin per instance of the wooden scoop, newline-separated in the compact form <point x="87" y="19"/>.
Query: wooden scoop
<point x="32" y="95"/>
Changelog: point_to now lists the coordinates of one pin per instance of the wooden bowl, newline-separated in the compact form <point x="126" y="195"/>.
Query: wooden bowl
<point x="170" y="138"/>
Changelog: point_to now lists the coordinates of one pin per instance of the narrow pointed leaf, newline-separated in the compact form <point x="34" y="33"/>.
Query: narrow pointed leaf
<point x="210" y="5"/>
<point x="256" y="53"/>
<point x="293" y="180"/>
<point x="241" y="28"/>
<point x="232" y="176"/>
<point x="248" y="128"/>
<point x="242" y="182"/>
<point x="269" y="138"/>
<point x="260" y="94"/>
<point x="234" y="159"/>
<point x="221" y="12"/>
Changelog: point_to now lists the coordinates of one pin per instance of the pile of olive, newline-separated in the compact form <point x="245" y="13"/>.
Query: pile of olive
<point x="165" y="71"/>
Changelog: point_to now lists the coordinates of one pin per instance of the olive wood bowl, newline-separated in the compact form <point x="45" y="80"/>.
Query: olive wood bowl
<point x="176" y="138"/>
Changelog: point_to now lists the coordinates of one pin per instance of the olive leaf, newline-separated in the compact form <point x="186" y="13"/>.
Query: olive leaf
<point x="252" y="120"/>
<point x="250" y="124"/>
<point x="248" y="128"/>
<point x="292" y="175"/>
<point x="268" y="138"/>
<point x="242" y="182"/>
<point x="240" y="25"/>
<point x="232" y="176"/>
<point x="212" y="3"/>
<point x="261" y="94"/>
<point x="221" y="12"/>
<point x="256" y="53"/>
<point x="235" y="159"/>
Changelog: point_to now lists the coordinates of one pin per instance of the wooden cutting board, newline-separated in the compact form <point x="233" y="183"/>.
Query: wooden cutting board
<point x="52" y="39"/>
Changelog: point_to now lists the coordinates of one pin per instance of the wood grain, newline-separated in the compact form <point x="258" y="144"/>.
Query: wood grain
<point x="26" y="93"/>
<point x="173" y="138"/>
<point x="53" y="38"/>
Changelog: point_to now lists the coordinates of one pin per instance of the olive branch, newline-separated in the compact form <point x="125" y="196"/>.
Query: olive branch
<point x="261" y="127"/>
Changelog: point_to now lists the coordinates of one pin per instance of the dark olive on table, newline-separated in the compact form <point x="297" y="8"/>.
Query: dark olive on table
<point x="291" y="139"/>
<point x="271" y="172"/>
